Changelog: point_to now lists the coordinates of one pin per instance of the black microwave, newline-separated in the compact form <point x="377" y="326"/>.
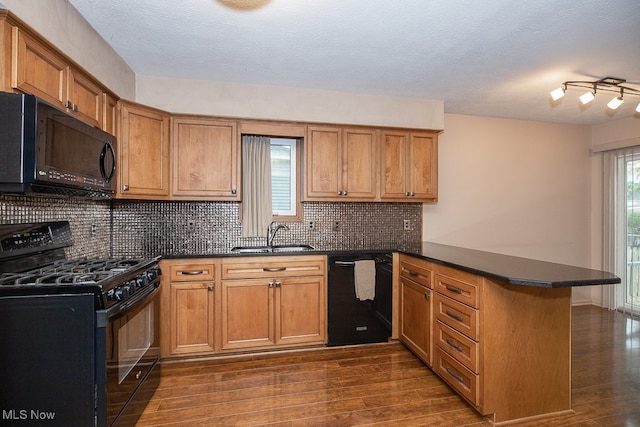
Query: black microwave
<point x="45" y="150"/>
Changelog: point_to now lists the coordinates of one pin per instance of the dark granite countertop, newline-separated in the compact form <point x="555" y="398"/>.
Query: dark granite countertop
<point x="512" y="269"/>
<point x="504" y="268"/>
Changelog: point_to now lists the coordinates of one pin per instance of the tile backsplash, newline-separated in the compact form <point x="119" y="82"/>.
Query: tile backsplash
<point x="124" y="228"/>
<point x="90" y="220"/>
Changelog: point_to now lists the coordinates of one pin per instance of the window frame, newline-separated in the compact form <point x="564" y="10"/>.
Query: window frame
<point x="286" y="131"/>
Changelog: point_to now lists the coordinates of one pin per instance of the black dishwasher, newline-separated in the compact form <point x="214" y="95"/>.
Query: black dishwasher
<point x="350" y="319"/>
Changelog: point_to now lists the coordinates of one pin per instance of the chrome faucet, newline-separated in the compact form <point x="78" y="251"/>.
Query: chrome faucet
<point x="271" y="231"/>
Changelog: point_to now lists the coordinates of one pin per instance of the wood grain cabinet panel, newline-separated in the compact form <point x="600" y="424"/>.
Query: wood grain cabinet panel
<point x="188" y="305"/>
<point x="192" y="318"/>
<point x="205" y="159"/>
<point x="85" y="98"/>
<point x="340" y="164"/>
<point x="270" y="302"/>
<point x="409" y="166"/>
<point x="143" y="153"/>
<point x="415" y="318"/>
<point x="39" y="70"/>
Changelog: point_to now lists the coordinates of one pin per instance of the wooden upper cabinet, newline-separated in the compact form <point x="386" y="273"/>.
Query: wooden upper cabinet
<point x="84" y="98"/>
<point x="110" y="114"/>
<point x="409" y="166"/>
<point x="340" y="164"/>
<point x="143" y="149"/>
<point x="39" y="70"/>
<point x="205" y="159"/>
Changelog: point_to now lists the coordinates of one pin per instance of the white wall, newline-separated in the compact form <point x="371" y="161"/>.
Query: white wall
<point x="62" y="25"/>
<point x="515" y="187"/>
<point x="287" y="103"/>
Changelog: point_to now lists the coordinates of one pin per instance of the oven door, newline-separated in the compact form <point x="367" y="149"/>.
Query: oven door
<point x="132" y="351"/>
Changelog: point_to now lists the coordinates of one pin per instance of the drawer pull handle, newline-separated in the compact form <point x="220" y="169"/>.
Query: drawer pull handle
<point x="452" y="345"/>
<point x="454" y="375"/>
<point x="413" y="273"/>
<point x="453" y="316"/>
<point x="274" y="269"/>
<point x="191" y="272"/>
<point x="453" y="289"/>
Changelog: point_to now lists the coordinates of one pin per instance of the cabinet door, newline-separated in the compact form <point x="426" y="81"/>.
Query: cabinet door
<point x="192" y="317"/>
<point x="300" y="311"/>
<point x="109" y="114"/>
<point x="415" y="318"/>
<point x="393" y="167"/>
<point x="322" y="163"/>
<point x="84" y="98"/>
<point x="205" y="159"/>
<point x="37" y="70"/>
<point x="359" y="164"/>
<point x="144" y="153"/>
<point x="247" y="314"/>
<point x="422" y="158"/>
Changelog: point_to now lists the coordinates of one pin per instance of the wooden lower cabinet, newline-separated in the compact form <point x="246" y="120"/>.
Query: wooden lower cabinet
<point x="284" y="306"/>
<point x="504" y="348"/>
<point x="415" y="325"/>
<point x="188" y="298"/>
<point x="415" y="306"/>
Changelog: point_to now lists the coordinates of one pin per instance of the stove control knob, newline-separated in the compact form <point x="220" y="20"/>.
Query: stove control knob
<point x="120" y="293"/>
<point x="130" y="287"/>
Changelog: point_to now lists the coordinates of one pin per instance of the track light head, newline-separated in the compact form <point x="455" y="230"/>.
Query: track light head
<point x="557" y="93"/>
<point x="587" y="97"/>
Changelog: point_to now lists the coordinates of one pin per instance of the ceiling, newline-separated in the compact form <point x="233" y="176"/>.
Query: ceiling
<point x="498" y="58"/>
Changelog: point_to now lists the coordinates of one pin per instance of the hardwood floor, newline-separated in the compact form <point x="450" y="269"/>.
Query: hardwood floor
<point x="385" y="385"/>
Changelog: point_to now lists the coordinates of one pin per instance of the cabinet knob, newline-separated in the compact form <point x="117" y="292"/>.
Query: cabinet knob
<point x="407" y="194"/>
<point x="344" y="193"/>
<point x="210" y="288"/>
<point x="125" y="187"/>
<point x="277" y="284"/>
<point x="271" y="284"/>
<point x="426" y="296"/>
<point x="234" y="191"/>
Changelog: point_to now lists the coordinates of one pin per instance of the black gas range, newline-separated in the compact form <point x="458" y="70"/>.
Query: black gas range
<point x="79" y="337"/>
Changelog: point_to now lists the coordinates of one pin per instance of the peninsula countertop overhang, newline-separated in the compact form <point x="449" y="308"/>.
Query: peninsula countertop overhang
<point x="512" y="269"/>
<point x="503" y="268"/>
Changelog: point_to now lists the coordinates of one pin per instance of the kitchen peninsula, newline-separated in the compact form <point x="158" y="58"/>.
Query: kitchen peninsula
<point x="496" y="328"/>
<point x="499" y="329"/>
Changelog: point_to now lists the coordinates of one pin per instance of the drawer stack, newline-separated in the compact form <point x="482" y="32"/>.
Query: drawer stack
<point x="457" y="331"/>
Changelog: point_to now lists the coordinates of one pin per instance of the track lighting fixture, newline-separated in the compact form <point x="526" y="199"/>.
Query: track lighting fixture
<point x="607" y="84"/>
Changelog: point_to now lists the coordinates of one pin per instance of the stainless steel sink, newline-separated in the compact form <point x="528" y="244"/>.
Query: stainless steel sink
<point x="251" y="249"/>
<point x="266" y="249"/>
<point x="292" y="248"/>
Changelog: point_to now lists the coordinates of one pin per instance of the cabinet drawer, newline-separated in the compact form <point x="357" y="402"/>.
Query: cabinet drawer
<point x="191" y="272"/>
<point x="457" y="376"/>
<point x="273" y="266"/>
<point x="458" y="285"/>
<point x="458" y="316"/>
<point x="458" y="346"/>
<point x="417" y="270"/>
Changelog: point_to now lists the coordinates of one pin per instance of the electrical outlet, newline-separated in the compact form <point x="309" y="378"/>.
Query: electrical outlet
<point x="311" y="225"/>
<point x="335" y="226"/>
<point x="406" y="225"/>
